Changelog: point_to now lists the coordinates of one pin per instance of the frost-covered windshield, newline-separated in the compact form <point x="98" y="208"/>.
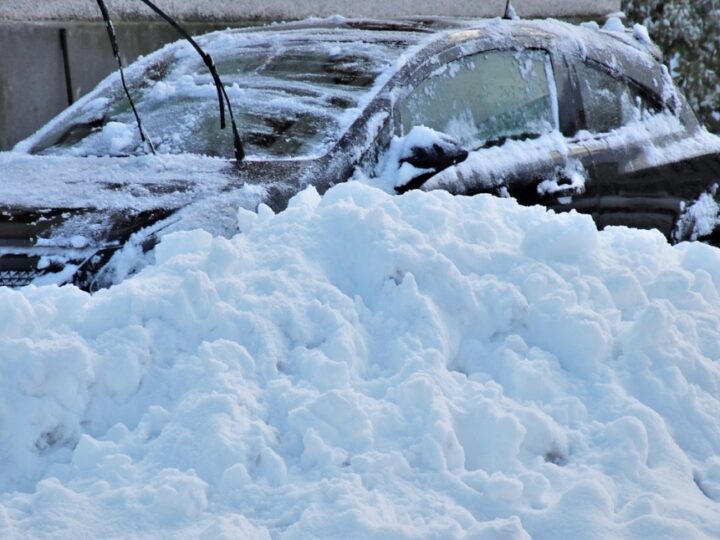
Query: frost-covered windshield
<point x="292" y="98"/>
<point x="487" y="98"/>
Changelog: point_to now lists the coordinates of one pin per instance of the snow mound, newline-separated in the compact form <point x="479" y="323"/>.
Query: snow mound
<point x="362" y="366"/>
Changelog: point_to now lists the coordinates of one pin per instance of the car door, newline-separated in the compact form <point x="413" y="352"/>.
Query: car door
<point x="502" y="106"/>
<point x="635" y="142"/>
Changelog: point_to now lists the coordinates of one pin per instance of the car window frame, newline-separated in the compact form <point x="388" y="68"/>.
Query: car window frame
<point x="564" y="106"/>
<point x="650" y="94"/>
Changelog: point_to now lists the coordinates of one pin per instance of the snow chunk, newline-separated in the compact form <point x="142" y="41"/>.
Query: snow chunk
<point x="640" y="32"/>
<point x="701" y="218"/>
<point x="614" y="24"/>
<point x="78" y="242"/>
<point x="117" y="136"/>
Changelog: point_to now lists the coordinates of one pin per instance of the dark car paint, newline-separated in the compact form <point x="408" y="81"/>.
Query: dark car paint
<point x="23" y="228"/>
<point x="624" y="191"/>
<point x="651" y="197"/>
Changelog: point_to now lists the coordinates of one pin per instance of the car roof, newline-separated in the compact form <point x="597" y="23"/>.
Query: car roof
<point x="408" y="24"/>
<point x="445" y="25"/>
<point x="623" y="49"/>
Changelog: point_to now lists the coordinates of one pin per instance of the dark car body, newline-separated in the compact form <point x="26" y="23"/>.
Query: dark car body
<point x="599" y="128"/>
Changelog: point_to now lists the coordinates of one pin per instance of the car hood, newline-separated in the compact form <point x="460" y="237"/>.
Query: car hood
<point x="58" y="212"/>
<point x="138" y="183"/>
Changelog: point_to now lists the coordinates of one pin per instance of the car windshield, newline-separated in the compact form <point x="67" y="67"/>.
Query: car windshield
<point x="292" y="98"/>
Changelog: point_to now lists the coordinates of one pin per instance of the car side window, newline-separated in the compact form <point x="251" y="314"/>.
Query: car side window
<point x="610" y="102"/>
<point x="486" y="98"/>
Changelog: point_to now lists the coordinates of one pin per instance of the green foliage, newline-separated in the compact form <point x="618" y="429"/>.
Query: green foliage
<point x="688" y="32"/>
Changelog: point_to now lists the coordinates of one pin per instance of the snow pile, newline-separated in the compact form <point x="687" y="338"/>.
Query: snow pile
<point x="363" y="365"/>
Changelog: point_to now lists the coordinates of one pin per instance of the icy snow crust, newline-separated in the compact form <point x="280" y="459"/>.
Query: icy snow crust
<point x="66" y="181"/>
<point x="364" y="365"/>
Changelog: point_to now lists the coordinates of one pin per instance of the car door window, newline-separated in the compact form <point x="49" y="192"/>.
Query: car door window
<point x="610" y="102"/>
<point x="486" y="98"/>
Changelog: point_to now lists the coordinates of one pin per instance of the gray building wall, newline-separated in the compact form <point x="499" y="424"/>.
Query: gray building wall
<point x="29" y="89"/>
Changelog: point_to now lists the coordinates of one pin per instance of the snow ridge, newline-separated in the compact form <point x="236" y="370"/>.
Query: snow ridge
<point x="362" y="366"/>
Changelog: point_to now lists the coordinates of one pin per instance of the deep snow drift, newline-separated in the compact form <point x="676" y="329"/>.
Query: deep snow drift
<point x="363" y="365"/>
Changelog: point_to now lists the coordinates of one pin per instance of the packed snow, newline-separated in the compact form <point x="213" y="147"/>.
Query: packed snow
<point x="364" y="365"/>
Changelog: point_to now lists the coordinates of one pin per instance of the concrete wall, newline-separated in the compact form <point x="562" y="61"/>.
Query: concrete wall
<point x="30" y="91"/>
<point x="295" y="9"/>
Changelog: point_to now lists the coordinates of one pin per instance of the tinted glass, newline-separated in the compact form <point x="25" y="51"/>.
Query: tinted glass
<point x="610" y="102"/>
<point x="486" y="97"/>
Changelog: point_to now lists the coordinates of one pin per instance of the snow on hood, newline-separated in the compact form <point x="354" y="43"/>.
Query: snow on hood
<point x="140" y="182"/>
<point x="362" y="365"/>
<point x="130" y="184"/>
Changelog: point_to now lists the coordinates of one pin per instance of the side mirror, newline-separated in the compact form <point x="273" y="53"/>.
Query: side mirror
<point x="430" y="152"/>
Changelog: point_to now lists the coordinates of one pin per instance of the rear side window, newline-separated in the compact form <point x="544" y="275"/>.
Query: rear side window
<point x="486" y="98"/>
<point x="610" y="102"/>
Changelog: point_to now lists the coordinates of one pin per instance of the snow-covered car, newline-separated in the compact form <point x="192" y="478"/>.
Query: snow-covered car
<point x="573" y="117"/>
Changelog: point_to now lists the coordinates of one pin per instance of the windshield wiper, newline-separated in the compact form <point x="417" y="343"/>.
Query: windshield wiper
<point x="509" y="12"/>
<point x="222" y="94"/>
<point x="223" y="98"/>
<point x="116" y="53"/>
